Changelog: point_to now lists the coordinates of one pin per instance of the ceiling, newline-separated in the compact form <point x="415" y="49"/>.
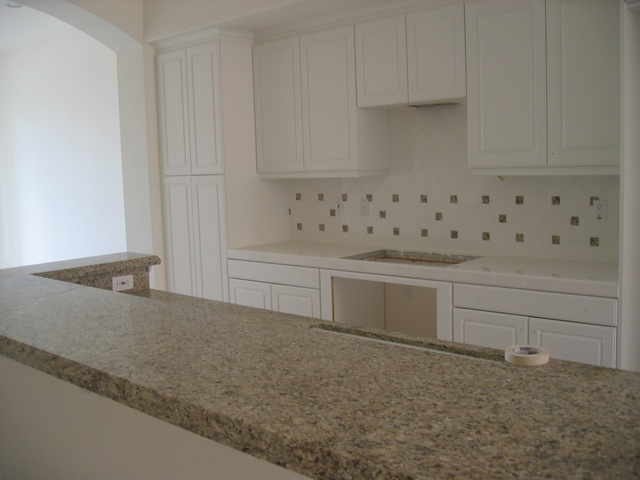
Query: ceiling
<point x="20" y="26"/>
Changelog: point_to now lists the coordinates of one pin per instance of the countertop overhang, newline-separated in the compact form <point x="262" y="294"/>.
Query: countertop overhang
<point x="327" y="406"/>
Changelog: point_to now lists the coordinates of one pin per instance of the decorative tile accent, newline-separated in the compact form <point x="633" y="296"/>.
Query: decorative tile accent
<point x="486" y="199"/>
<point x="298" y="196"/>
<point x="424" y="198"/>
<point x="345" y="197"/>
<point x="424" y="232"/>
<point x="486" y="236"/>
<point x="594" y="241"/>
<point x="555" y="239"/>
<point x="575" y="221"/>
<point x="345" y="228"/>
<point x="383" y="214"/>
<point x="520" y="237"/>
<point x="332" y="212"/>
<point x="453" y="199"/>
<point x="519" y="200"/>
<point x="299" y="226"/>
<point x="555" y="200"/>
<point x="454" y="234"/>
<point x="320" y="197"/>
<point x="502" y="218"/>
<point x="438" y="216"/>
<point x="396" y="230"/>
<point x="321" y="227"/>
<point x="289" y="212"/>
<point x="370" y="230"/>
<point x="395" y="198"/>
<point x="369" y="197"/>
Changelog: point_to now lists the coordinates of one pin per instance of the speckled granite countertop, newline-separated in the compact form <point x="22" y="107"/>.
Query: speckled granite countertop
<point x="562" y="276"/>
<point x="325" y="405"/>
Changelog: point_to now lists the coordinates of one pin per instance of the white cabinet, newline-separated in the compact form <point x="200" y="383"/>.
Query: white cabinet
<point x="282" y="288"/>
<point x="189" y="110"/>
<point x="543" y="86"/>
<point x="578" y="328"/>
<point x="307" y="120"/>
<point x="414" y="59"/>
<point x="195" y="236"/>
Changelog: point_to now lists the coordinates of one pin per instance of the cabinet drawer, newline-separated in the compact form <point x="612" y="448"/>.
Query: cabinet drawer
<point x="274" y="273"/>
<point x="574" y="308"/>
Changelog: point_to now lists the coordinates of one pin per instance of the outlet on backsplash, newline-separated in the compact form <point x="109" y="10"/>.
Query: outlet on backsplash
<point x="431" y="201"/>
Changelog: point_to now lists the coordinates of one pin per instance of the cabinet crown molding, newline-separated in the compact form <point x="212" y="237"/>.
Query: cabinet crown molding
<point x="201" y="36"/>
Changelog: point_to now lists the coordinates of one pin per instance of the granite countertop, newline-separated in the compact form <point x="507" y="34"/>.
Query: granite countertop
<point x="323" y="404"/>
<point x="552" y="275"/>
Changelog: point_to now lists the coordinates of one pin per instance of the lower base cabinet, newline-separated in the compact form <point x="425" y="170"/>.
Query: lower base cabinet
<point x="577" y="342"/>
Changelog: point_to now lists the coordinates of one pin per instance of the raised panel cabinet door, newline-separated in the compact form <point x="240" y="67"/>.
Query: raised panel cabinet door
<point x="381" y="62"/>
<point x="506" y="83"/>
<point x="329" y="109"/>
<point x="173" y="112"/>
<point x="203" y="77"/>
<point x="488" y="329"/>
<point x="276" y="69"/>
<point x="576" y="342"/>
<point x="296" y="300"/>
<point x="209" y="236"/>
<point x="250" y="294"/>
<point x="436" y="54"/>
<point x="178" y="222"/>
<point x="583" y="67"/>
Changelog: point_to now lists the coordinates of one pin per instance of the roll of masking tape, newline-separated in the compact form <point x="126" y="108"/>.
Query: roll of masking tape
<point x="526" y="355"/>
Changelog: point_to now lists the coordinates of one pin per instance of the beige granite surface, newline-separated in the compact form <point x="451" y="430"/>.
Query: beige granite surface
<point x="326" y="405"/>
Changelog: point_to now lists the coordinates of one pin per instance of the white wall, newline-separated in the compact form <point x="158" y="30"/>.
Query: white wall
<point x="60" y="152"/>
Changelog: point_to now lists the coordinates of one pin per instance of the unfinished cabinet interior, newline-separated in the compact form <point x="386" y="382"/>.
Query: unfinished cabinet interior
<point x="543" y="86"/>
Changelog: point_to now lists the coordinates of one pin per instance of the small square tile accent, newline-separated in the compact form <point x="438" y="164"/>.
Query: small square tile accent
<point x="453" y="199"/>
<point x="486" y="236"/>
<point x="289" y="212"/>
<point x="383" y="214"/>
<point x="519" y="200"/>
<point x="424" y="232"/>
<point x="345" y="197"/>
<point x="298" y="196"/>
<point x="321" y="227"/>
<point x="370" y="230"/>
<point x="454" y="234"/>
<point x="502" y="218"/>
<point x="320" y="197"/>
<point x="486" y="199"/>
<point x="396" y="230"/>
<point x="593" y="199"/>
<point x="555" y="239"/>
<point x="332" y="212"/>
<point x="575" y="221"/>
<point x="395" y="198"/>
<point x="369" y="197"/>
<point x="520" y="237"/>
<point x="594" y="242"/>
<point x="424" y="198"/>
<point x="299" y="226"/>
<point x="555" y="200"/>
<point x="345" y="228"/>
<point x="438" y="215"/>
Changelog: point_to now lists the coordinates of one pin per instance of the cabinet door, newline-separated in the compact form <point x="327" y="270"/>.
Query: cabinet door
<point x="583" y="66"/>
<point x="506" y="83"/>
<point x="173" y="113"/>
<point x="296" y="300"/>
<point x="436" y="54"/>
<point x="381" y="62"/>
<point x="209" y="237"/>
<point x="576" y="342"/>
<point x="204" y="102"/>
<point x="488" y="329"/>
<point x="329" y="109"/>
<point x="250" y="294"/>
<point x="276" y="69"/>
<point x="178" y="223"/>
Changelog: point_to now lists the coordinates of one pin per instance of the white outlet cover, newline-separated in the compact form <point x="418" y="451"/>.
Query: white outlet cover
<point x="119" y="284"/>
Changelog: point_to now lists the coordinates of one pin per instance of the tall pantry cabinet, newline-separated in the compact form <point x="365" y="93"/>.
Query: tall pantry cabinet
<point x="192" y="155"/>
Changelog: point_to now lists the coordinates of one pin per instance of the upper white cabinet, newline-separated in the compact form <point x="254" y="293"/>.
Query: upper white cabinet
<point x="543" y="86"/>
<point x="414" y="59"/>
<point x="307" y="120"/>
<point x="189" y="110"/>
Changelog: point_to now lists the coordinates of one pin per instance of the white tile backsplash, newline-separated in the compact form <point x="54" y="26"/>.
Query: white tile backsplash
<point x="547" y="217"/>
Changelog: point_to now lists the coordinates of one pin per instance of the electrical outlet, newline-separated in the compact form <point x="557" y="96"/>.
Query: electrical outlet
<point x="119" y="284"/>
<point x="364" y="207"/>
<point x="600" y="210"/>
<point x="339" y="206"/>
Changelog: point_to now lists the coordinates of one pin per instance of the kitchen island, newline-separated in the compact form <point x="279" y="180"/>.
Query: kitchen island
<point x="318" y="400"/>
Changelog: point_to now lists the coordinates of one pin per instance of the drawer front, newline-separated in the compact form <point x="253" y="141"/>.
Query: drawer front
<point x="560" y="306"/>
<point x="274" y="273"/>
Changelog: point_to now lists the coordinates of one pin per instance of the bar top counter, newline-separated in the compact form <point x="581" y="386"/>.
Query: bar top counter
<point x="297" y="393"/>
